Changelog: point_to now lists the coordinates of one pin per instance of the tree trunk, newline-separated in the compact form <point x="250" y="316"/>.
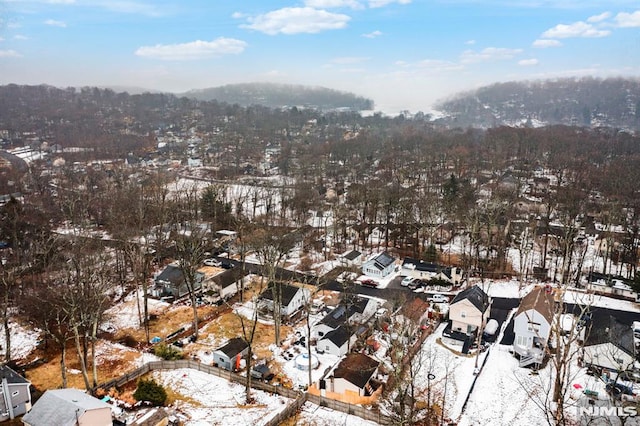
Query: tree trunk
<point x="194" y="306"/>
<point x="81" y="357"/>
<point x="7" y="330"/>
<point x="63" y="363"/>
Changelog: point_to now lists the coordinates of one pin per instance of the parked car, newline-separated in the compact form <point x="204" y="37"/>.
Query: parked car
<point x="369" y="283"/>
<point x="491" y="328"/>
<point x="438" y="298"/>
<point x="227" y="264"/>
<point x="212" y="262"/>
<point x="406" y="281"/>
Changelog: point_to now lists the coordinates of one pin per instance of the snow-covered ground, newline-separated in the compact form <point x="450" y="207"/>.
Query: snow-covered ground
<point x="23" y="340"/>
<point x="127" y="313"/>
<point x="313" y="415"/>
<point x="211" y="400"/>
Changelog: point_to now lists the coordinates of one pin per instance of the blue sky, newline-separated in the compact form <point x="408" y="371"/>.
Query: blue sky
<point x="404" y="54"/>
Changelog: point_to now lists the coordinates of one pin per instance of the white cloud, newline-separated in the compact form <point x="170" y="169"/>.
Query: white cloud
<point x="194" y="50"/>
<point x="349" y="60"/>
<point x="20" y="37"/>
<point x="54" y="23"/>
<point x="238" y="15"/>
<point x="61" y="1"/>
<point x="470" y="42"/>
<point x="577" y="29"/>
<point x="331" y="4"/>
<point x="1" y="39"/>
<point x="382" y="3"/>
<point x="132" y="7"/>
<point x="296" y="20"/>
<point x="545" y="42"/>
<point x="9" y="54"/>
<point x="599" y="18"/>
<point x="528" y="62"/>
<point x="439" y="65"/>
<point x="488" y="54"/>
<point x="372" y="34"/>
<point x="628" y="20"/>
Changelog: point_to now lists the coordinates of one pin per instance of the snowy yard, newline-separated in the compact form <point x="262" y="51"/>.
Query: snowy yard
<point x="211" y="400"/>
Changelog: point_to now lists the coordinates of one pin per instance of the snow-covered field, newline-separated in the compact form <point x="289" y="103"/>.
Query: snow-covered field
<point x="313" y="415"/>
<point x="211" y="400"/>
<point x="23" y="340"/>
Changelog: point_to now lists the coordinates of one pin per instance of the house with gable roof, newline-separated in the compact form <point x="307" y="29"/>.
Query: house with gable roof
<point x="420" y="269"/>
<point x="16" y="396"/>
<point x="292" y="298"/>
<point x="353" y="375"/>
<point x="532" y="325"/>
<point x="68" y="407"/>
<point x="469" y="310"/>
<point x="379" y="266"/>
<point x="230" y="354"/>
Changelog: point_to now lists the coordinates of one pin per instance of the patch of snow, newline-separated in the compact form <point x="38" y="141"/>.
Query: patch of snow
<point x="23" y="340"/>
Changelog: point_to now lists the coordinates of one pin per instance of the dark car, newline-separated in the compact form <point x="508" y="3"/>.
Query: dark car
<point x="618" y="389"/>
<point x="369" y="283"/>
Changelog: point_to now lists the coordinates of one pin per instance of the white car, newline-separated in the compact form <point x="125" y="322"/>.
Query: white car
<point x="438" y="298"/>
<point x="212" y="262"/>
<point x="406" y="281"/>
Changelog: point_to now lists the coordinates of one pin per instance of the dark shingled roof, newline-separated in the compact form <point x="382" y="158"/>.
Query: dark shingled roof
<point x="353" y="254"/>
<point x="383" y="260"/>
<point x="339" y="336"/>
<point x="11" y="376"/>
<point x="344" y="311"/>
<point x="475" y="295"/>
<point x="539" y="300"/>
<point x="171" y="274"/>
<point x="356" y="368"/>
<point x="288" y="293"/>
<point x="233" y="347"/>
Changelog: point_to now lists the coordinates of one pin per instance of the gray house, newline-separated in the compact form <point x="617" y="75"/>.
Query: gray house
<point x="379" y="266"/>
<point x="171" y="282"/>
<point x="68" y="407"/>
<point x="16" y="397"/>
<point x="230" y="355"/>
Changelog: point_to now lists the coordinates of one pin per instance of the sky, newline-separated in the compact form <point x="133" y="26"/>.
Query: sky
<point x="405" y="55"/>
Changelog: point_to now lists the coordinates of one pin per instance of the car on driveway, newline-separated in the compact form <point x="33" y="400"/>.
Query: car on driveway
<point x="212" y="262"/>
<point x="406" y="281"/>
<point x="438" y="298"/>
<point x="369" y="283"/>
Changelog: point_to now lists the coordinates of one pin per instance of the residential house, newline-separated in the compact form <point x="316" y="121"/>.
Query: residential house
<point x="225" y="284"/>
<point x="16" y="397"/>
<point x="469" y="310"/>
<point x="337" y="342"/>
<point x="379" y="266"/>
<point x="292" y="299"/>
<point x="611" y="285"/>
<point x="427" y="271"/>
<point x="171" y="282"/>
<point x="351" y="258"/>
<point x="609" y="346"/>
<point x="532" y="325"/>
<point x="68" y="407"/>
<point x="230" y="355"/>
<point x="353" y="375"/>
<point x="355" y="310"/>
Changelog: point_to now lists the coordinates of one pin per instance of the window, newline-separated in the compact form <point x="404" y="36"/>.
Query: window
<point x="15" y="393"/>
<point x="463" y="314"/>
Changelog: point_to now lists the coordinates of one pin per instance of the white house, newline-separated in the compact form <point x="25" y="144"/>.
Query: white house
<point x="15" y="398"/>
<point x="292" y="298"/>
<point x="532" y="325"/>
<point x="351" y="258"/>
<point x="427" y="271"/>
<point x="353" y="375"/>
<point x="337" y="342"/>
<point x="357" y="310"/>
<point x="379" y="266"/>
<point x="469" y="310"/>
<point x="230" y="355"/>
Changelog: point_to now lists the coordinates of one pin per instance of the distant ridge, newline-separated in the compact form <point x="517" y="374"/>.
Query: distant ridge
<point x="585" y="102"/>
<point x="282" y="95"/>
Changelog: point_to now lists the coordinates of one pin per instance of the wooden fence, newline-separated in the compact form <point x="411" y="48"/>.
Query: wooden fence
<point x="299" y="398"/>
